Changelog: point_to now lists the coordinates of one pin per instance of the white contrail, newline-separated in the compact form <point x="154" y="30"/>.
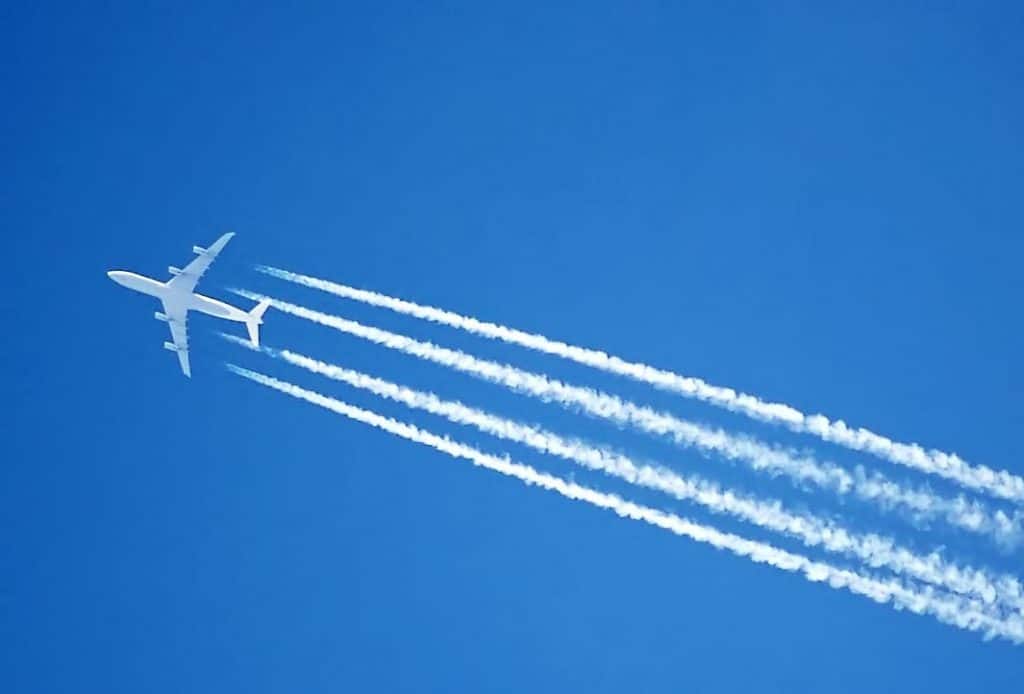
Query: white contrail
<point x="873" y="549"/>
<point x="999" y="483"/>
<point x="944" y="607"/>
<point x="919" y="503"/>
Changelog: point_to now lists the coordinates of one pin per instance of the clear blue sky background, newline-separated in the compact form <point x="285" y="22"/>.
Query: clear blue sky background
<point x="823" y="207"/>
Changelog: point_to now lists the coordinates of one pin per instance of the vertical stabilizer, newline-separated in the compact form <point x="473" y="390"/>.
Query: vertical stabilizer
<point x="255" y="320"/>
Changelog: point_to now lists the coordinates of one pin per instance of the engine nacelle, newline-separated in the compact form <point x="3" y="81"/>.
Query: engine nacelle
<point x="161" y="317"/>
<point x="171" y="347"/>
<point x="175" y="271"/>
<point x="198" y="250"/>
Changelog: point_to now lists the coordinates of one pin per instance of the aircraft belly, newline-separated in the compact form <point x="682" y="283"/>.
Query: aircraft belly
<point x="218" y="309"/>
<point x="138" y="283"/>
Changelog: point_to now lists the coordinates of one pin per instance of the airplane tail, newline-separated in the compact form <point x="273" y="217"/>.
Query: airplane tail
<point x="255" y="319"/>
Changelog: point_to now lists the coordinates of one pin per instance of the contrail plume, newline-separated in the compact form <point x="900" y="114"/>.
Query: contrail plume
<point x="944" y="607"/>
<point x="875" y="550"/>
<point x="803" y="468"/>
<point x="999" y="483"/>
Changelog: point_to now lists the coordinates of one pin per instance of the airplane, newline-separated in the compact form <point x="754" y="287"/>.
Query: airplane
<point x="178" y="298"/>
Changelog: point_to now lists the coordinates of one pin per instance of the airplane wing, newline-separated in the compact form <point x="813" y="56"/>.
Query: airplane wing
<point x="179" y="335"/>
<point x="189" y="277"/>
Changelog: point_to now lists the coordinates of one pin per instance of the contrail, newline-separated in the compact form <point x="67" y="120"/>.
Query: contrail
<point x="999" y="483"/>
<point x="919" y="503"/>
<point x="873" y="549"/>
<point x="944" y="607"/>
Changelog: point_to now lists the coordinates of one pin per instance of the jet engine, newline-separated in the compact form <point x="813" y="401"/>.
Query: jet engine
<point x="198" y="250"/>
<point x="171" y="347"/>
<point x="161" y="317"/>
<point x="175" y="271"/>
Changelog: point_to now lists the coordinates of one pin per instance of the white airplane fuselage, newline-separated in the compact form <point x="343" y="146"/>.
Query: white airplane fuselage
<point x="177" y="296"/>
<point x="189" y="301"/>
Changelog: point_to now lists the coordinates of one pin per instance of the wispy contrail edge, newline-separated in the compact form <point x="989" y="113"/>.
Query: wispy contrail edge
<point x="1000" y="483"/>
<point x="874" y="550"/>
<point x="945" y="608"/>
<point x="960" y="512"/>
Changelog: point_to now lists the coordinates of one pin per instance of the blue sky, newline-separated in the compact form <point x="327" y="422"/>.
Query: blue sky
<point x="818" y="206"/>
